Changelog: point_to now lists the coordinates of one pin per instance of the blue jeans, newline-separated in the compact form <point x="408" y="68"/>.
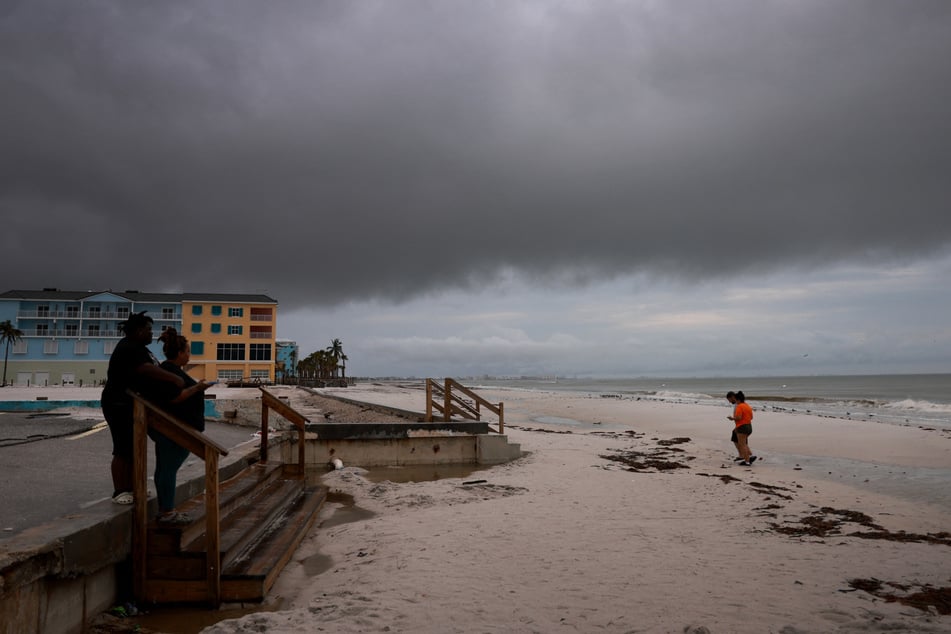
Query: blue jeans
<point x="168" y="458"/>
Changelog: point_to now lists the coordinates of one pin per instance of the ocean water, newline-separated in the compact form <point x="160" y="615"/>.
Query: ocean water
<point x="902" y="399"/>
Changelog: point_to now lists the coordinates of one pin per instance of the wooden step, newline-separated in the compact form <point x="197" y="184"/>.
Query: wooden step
<point x="250" y="576"/>
<point x="232" y="493"/>
<point x="238" y="530"/>
<point x="264" y="516"/>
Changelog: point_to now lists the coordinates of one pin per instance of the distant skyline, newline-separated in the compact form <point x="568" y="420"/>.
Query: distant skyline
<point x="531" y="187"/>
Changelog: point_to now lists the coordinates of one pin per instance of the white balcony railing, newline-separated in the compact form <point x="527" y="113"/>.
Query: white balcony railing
<point x="69" y="334"/>
<point x="58" y="314"/>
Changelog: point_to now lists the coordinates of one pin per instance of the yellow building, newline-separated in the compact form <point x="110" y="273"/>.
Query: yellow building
<point x="231" y="336"/>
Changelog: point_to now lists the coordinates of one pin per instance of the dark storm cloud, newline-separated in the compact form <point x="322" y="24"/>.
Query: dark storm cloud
<point x="325" y="152"/>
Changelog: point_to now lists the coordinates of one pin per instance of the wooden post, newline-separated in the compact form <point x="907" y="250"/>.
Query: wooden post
<point x="213" y="551"/>
<point x="140" y="494"/>
<point x="264" y="427"/>
<point x="301" y="446"/>
<point x="501" y="417"/>
<point x="447" y="398"/>
<point x="429" y="400"/>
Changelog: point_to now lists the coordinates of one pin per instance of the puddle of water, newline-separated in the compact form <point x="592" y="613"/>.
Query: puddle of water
<point x="316" y="564"/>
<point x="345" y="512"/>
<point x="185" y="620"/>
<point x="422" y="473"/>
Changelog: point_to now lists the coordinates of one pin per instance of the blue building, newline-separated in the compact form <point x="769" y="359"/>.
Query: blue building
<point x="286" y="357"/>
<point x="68" y="336"/>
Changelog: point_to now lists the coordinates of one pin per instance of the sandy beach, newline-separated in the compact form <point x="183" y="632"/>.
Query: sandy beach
<point x="630" y="516"/>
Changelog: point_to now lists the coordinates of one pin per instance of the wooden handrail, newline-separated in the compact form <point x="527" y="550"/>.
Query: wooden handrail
<point x="146" y="415"/>
<point x="269" y="402"/>
<point x="454" y="404"/>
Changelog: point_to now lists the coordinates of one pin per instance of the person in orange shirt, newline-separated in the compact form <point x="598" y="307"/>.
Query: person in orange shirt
<point x="742" y="428"/>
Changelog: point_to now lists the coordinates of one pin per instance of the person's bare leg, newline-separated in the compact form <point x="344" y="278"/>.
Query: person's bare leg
<point x="742" y="445"/>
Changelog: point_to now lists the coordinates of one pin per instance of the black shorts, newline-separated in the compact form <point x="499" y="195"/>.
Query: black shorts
<point x="746" y="430"/>
<point x="119" y="418"/>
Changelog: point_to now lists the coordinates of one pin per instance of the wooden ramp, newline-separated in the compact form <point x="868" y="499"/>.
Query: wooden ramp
<point x="265" y="514"/>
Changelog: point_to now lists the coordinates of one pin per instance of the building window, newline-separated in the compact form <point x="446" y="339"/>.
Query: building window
<point x="235" y="311"/>
<point x="196" y="328"/>
<point x="93" y="330"/>
<point x="50" y="347"/>
<point x="260" y="374"/>
<point x="19" y="347"/>
<point x="42" y="330"/>
<point x="95" y="312"/>
<point x="168" y="313"/>
<point x="122" y="312"/>
<point x="235" y="330"/>
<point x="43" y="311"/>
<point x="260" y="352"/>
<point x="72" y="330"/>
<point x="230" y="352"/>
<point x="216" y="310"/>
<point x="196" y="310"/>
<point x="230" y="375"/>
<point x="216" y="328"/>
<point x="72" y="312"/>
<point x="109" y="346"/>
<point x="197" y="348"/>
<point x="81" y="347"/>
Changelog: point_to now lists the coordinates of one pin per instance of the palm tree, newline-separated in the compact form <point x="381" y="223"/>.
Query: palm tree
<point x="335" y="349"/>
<point x="293" y="361"/>
<point x="8" y="334"/>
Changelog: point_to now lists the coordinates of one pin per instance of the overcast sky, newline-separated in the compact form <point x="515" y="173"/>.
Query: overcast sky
<point x="504" y="187"/>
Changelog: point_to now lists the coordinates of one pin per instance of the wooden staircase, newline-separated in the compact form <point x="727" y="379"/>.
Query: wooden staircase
<point x="264" y="516"/>
<point x="242" y="532"/>
<point x="452" y="398"/>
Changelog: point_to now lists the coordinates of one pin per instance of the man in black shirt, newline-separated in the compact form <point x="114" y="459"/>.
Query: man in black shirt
<point x="131" y="366"/>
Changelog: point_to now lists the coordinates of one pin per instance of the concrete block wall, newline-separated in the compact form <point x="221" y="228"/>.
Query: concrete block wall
<point x="53" y="605"/>
<point x="401" y="452"/>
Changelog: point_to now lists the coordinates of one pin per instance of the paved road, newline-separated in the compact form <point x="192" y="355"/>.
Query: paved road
<point x="56" y="466"/>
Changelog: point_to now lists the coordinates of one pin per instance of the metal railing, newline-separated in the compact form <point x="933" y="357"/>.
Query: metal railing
<point x="442" y="399"/>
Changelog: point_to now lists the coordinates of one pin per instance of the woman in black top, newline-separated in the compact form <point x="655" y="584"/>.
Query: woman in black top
<point x="187" y="405"/>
